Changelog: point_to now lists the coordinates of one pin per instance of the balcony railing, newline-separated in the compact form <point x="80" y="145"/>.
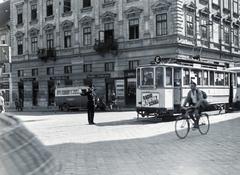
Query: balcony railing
<point x="47" y="54"/>
<point x="109" y="46"/>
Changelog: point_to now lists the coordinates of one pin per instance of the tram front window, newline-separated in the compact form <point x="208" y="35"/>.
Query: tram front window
<point x="219" y="79"/>
<point x="168" y="76"/>
<point x="159" y="77"/>
<point x="147" y="76"/>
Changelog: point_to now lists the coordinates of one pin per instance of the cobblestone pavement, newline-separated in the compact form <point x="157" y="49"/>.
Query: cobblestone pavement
<point x="119" y="144"/>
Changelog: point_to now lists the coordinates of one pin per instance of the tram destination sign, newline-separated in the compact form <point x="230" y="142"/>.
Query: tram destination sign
<point x="150" y="99"/>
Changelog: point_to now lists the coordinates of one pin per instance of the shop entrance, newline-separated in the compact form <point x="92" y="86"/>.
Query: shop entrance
<point x="51" y="92"/>
<point x="21" y="93"/>
<point x="131" y="91"/>
<point x="35" y="90"/>
<point x="110" y="89"/>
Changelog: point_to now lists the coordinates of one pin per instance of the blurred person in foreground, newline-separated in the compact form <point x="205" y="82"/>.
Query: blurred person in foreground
<point x="2" y="107"/>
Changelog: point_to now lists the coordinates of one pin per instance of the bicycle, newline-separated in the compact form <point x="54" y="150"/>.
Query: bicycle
<point x="184" y="121"/>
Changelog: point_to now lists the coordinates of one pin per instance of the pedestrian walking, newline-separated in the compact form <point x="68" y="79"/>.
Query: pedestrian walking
<point x="2" y="108"/>
<point x="90" y="105"/>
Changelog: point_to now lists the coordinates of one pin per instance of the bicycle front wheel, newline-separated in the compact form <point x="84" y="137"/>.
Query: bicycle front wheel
<point x="182" y="127"/>
<point x="204" y="124"/>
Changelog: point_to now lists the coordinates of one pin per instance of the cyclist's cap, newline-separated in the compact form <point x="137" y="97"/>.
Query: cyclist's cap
<point x="193" y="81"/>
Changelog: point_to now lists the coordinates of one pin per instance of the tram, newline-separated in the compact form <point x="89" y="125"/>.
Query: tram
<point x="162" y="87"/>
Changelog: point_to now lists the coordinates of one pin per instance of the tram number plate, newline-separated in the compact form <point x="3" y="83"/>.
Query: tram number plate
<point x="150" y="99"/>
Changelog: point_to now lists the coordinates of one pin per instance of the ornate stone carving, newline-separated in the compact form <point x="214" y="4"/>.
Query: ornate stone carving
<point x="66" y="25"/>
<point x="33" y="31"/>
<point x="133" y="12"/>
<point x="86" y="20"/>
<point x="49" y="28"/>
<point x="108" y="16"/>
<point x="19" y="34"/>
<point x="160" y="6"/>
<point x="190" y="6"/>
<point x="205" y="11"/>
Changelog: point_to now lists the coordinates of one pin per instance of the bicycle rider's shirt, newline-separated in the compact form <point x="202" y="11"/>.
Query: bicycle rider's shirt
<point x="194" y="96"/>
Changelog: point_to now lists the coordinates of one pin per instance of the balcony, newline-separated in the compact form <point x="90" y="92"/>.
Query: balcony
<point x="47" y="54"/>
<point x="108" y="46"/>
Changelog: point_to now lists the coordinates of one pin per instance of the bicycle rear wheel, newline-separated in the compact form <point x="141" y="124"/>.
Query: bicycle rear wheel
<point x="204" y="124"/>
<point x="182" y="127"/>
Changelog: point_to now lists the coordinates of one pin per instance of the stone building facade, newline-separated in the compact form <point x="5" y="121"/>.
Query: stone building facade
<point x="74" y="42"/>
<point x="5" y="52"/>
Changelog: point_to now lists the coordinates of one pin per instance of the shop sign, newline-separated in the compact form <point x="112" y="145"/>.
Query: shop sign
<point x="119" y="88"/>
<point x="150" y="99"/>
<point x="130" y="73"/>
<point x="27" y="79"/>
<point x="4" y="85"/>
<point x="98" y="76"/>
<point x="59" y="78"/>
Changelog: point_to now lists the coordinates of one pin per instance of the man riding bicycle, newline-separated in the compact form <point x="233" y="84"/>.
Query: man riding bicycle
<point x="195" y="99"/>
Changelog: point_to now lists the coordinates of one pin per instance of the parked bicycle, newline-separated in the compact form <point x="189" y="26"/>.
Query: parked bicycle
<point x="184" y="122"/>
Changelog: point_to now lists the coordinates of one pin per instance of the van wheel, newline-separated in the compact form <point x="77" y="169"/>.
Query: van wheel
<point x="65" y="107"/>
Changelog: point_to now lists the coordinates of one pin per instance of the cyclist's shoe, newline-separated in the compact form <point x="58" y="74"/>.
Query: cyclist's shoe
<point x="195" y="126"/>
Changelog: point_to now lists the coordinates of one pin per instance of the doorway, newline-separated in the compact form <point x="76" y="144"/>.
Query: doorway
<point x="35" y="90"/>
<point x="51" y="92"/>
<point x="131" y="91"/>
<point x="21" y="93"/>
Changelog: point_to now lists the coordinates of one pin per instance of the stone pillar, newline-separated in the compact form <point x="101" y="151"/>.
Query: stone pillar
<point x="27" y="94"/>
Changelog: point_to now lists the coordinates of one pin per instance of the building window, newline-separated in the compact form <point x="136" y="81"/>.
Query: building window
<point x="109" y="67"/>
<point x="133" y="29"/>
<point x="33" y="12"/>
<point x="35" y="72"/>
<point x="20" y="46"/>
<point x="203" y="28"/>
<point x="133" y="64"/>
<point x="236" y="36"/>
<point x="50" y="42"/>
<point x="108" y="33"/>
<point x="226" y="34"/>
<point x="87" y="36"/>
<point x="19" y="16"/>
<point x="67" y="39"/>
<point x="235" y="6"/>
<point x="86" y="3"/>
<point x="34" y="44"/>
<point x="226" y="4"/>
<point x="50" y="71"/>
<point x="67" y="6"/>
<point x="67" y="69"/>
<point x="189" y="20"/>
<point x="49" y="7"/>
<point x="161" y="21"/>
<point x="87" y="68"/>
<point x="3" y="39"/>
<point x="20" y="73"/>
<point x="216" y="32"/>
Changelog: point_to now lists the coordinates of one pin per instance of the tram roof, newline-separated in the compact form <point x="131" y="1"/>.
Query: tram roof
<point x="234" y="69"/>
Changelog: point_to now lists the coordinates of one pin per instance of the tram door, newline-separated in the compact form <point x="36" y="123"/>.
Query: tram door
<point x="231" y="89"/>
<point x="177" y="88"/>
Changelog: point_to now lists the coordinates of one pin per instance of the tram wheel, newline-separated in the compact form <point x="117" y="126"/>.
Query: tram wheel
<point x="65" y="107"/>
